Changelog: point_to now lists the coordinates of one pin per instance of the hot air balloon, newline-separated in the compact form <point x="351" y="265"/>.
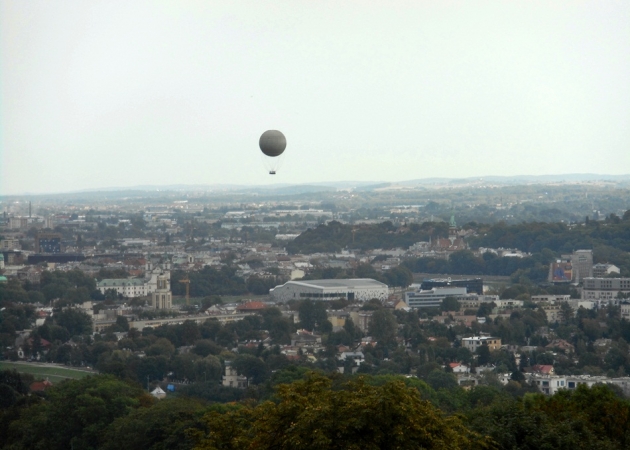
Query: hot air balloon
<point x="272" y="144"/>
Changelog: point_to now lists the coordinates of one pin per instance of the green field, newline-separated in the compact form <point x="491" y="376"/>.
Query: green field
<point x="53" y="373"/>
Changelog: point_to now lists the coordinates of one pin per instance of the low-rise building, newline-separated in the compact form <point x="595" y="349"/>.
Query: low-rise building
<point x="361" y="319"/>
<point x="550" y="298"/>
<point x="602" y="270"/>
<point x="306" y="340"/>
<point x="251" y="306"/>
<point x="474" y="342"/>
<point x="560" y="345"/>
<point x="576" y="303"/>
<point x="338" y="318"/>
<point x="459" y="368"/>
<point x="547" y="384"/>
<point x="508" y="303"/>
<point x="605" y="289"/>
<point x="232" y="378"/>
<point x="551" y="384"/>
<point x="102" y="322"/>
<point x="542" y="369"/>
<point x="356" y="357"/>
<point x="553" y="312"/>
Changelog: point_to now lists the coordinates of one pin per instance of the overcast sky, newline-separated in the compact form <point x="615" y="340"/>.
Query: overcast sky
<point x="99" y="94"/>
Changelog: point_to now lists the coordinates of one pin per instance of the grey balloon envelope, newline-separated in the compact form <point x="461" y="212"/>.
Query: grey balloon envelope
<point x="272" y="143"/>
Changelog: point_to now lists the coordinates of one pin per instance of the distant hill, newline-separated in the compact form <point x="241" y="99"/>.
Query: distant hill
<point x="371" y="185"/>
<point x="361" y="186"/>
<point x="522" y="179"/>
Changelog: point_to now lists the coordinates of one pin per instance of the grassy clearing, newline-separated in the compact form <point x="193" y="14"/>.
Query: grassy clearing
<point x="40" y="372"/>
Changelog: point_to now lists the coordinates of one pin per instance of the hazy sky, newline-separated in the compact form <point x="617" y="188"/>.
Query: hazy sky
<point x="123" y="93"/>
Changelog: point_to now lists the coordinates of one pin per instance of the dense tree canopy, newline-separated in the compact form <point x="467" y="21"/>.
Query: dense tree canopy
<point x="210" y="281"/>
<point x="312" y="314"/>
<point x="75" y="414"/>
<point x="310" y="415"/>
<point x="335" y="236"/>
<point x="161" y="427"/>
<point x="383" y="326"/>
<point x="584" y="419"/>
<point x="74" y="320"/>
<point x="464" y="262"/>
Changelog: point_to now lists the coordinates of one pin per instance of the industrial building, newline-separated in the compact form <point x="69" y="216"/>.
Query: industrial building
<point x="354" y="289"/>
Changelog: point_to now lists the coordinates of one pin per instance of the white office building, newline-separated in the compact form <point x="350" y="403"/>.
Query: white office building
<point x="605" y="289"/>
<point x="432" y="298"/>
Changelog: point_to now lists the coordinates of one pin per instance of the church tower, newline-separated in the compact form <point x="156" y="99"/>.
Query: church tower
<point x="452" y="230"/>
<point x="162" y="297"/>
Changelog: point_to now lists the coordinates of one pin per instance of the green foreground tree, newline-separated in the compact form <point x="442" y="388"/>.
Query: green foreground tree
<point x="75" y="414"/>
<point x="309" y="415"/>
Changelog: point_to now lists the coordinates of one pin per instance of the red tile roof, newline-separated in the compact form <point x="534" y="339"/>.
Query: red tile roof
<point x="542" y="368"/>
<point x="40" y="385"/>
<point x="251" y="306"/>
<point x="43" y="342"/>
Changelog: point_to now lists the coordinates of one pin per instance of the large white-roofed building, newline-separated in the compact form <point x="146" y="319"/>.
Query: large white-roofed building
<point x="361" y="289"/>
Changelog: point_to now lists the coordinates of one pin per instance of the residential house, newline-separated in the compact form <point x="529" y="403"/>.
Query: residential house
<point x="473" y="343"/>
<point x="232" y="378"/>
<point x="458" y="368"/>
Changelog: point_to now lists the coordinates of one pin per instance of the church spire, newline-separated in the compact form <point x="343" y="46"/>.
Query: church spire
<point x="452" y="229"/>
